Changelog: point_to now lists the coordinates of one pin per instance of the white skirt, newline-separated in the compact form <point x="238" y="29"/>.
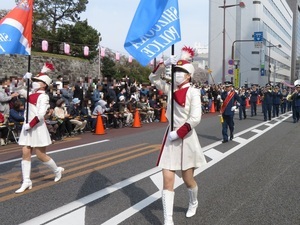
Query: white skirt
<point x="38" y="136"/>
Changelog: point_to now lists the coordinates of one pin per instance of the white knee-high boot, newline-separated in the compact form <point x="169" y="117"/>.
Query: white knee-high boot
<point x="193" y="202"/>
<point x="26" y="169"/>
<point x="56" y="170"/>
<point x="168" y="202"/>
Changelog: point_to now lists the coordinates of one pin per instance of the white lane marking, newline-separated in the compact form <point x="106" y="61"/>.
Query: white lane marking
<point x="157" y="179"/>
<point x="76" y="216"/>
<point x="239" y="139"/>
<point x="257" y="131"/>
<point x="77" y="147"/>
<point x="154" y="172"/>
<point x="213" y="154"/>
<point x="66" y="209"/>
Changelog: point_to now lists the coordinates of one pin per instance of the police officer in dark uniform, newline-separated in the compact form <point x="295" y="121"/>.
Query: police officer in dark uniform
<point x="253" y="99"/>
<point x="242" y="109"/>
<point x="267" y="102"/>
<point x="277" y="96"/>
<point x="229" y="97"/>
<point x="296" y="103"/>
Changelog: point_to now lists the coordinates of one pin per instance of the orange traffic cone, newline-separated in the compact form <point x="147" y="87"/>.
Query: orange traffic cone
<point x="163" y="118"/>
<point x="247" y="102"/>
<point x="212" y="108"/>
<point x="136" y="121"/>
<point x="99" y="126"/>
<point x="258" y="100"/>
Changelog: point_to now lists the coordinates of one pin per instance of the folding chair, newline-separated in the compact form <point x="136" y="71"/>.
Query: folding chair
<point x="13" y="131"/>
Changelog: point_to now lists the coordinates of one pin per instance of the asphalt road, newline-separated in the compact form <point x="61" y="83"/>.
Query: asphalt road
<point x="112" y="178"/>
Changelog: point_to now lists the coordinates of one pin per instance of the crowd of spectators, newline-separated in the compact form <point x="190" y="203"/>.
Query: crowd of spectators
<point x="74" y="107"/>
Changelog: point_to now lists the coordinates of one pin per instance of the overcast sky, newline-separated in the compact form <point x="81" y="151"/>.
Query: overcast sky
<point x="112" y="19"/>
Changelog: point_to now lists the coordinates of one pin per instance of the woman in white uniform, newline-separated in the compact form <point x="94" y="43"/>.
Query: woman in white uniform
<point x="34" y="134"/>
<point x="181" y="149"/>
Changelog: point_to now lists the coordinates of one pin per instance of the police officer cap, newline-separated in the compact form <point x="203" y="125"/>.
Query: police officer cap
<point x="297" y="85"/>
<point x="268" y="85"/>
<point x="228" y="83"/>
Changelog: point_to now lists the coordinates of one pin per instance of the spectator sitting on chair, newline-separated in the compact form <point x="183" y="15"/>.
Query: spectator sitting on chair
<point x="52" y="125"/>
<point x="124" y="112"/>
<point x="77" y="116"/>
<point x="63" y="119"/>
<point x="3" y="129"/>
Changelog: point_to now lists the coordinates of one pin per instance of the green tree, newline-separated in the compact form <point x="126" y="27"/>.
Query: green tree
<point x="108" y="68"/>
<point x="54" y="13"/>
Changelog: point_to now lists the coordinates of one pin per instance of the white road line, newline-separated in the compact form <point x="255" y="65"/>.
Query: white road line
<point x="77" y="147"/>
<point x="66" y="209"/>
<point x="154" y="173"/>
<point x="213" y="154"/>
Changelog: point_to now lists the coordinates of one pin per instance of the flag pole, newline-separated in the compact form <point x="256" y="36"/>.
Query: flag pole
<point x="172" y="90"/>
<point x="27" y="83"/>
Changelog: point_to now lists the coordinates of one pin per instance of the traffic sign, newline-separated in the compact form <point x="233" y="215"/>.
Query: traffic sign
<point x="230" y="71"/>
<point x="258" y="36"/>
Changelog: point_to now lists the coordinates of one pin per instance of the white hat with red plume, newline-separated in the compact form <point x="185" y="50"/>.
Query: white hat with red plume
<point x="42" y="76"/>
<point x="187" y="54"/>
<point x="48" y="67"/>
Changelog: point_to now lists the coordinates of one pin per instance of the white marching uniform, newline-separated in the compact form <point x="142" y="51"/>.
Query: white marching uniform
<point x="186" y="153"/>
<point x="38" y="135"/>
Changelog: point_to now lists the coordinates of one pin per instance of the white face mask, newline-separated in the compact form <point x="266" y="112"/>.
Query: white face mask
<point x="35" y="86"/>
<point x="179" y="78"/>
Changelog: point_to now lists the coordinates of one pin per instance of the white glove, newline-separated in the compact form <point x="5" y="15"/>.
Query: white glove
<point x="173" y="135"/>
<point x="27" y="76"/>
<point x="171" y="60"/>
<point x="26" y="126"/>
<point x="233" y="108"/>
<point x="238" y="104"/>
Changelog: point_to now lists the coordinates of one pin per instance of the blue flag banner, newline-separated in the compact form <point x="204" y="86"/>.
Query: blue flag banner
<point x="16" y="29"/>
<point x="154" y="28"/>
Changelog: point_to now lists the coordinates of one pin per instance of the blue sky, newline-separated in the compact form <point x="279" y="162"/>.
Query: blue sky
<point x="112" y="19"/>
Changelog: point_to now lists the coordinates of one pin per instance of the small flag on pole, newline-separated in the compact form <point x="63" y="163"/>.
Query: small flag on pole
<point x="154" y="28"/>
<point x="16" y="29"/>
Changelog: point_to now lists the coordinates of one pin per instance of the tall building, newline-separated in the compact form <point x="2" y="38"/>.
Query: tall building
<point x="254" y="42"/>
<point x="295" y="69"/>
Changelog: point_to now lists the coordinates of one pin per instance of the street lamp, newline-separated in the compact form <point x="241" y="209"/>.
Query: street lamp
<point x="269" y="72"/>
<point x="100" y="39"/>
<point x="224" y="6"/>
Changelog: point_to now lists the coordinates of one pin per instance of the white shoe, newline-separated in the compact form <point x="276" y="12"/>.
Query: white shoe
<point x="24" y="186"/>
<point x="58" y="174"/>
<point x="2" y="142"/>
<point x="193" y="202"/>
<point x="192" y="209"/>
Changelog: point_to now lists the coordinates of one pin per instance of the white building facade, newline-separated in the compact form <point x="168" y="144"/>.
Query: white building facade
<point x="258" y="37"/>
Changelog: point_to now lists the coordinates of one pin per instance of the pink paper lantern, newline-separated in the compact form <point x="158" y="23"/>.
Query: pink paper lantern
<point x="45" y="45"/>
<point x="117" y="56"/>
<point x="130" y="59"/>
<point x="67" y="49"/>
<point x="86" y="51"/>
<point x="152" y="62"/>
<point x="102" y="52"/>
<point x="161" y="60"/>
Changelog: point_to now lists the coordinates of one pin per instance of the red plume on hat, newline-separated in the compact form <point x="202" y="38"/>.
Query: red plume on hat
<point x="187" y="53"/>
<point x="47" y="67"/>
